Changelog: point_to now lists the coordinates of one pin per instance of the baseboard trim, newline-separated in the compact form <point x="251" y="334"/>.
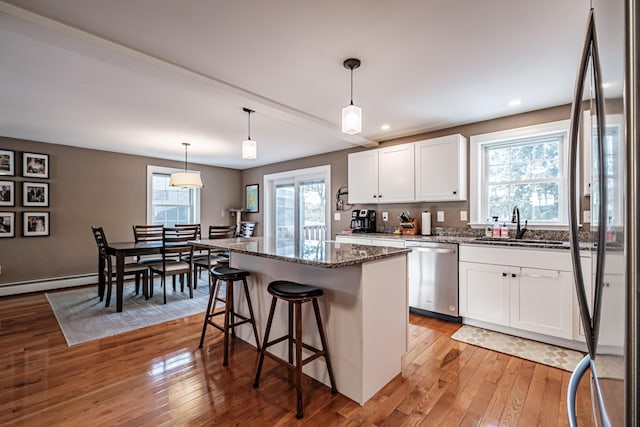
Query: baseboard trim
<point x="17" y="288"/>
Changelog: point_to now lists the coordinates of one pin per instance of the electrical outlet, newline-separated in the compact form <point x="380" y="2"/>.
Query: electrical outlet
<point x="586" y="216"/>
<point x="440" y="216"/>
<point x="336" y="216"/>
<point x="385" y="216"/>
<point x="463" y="215"/>
<point x="222" y="213"/>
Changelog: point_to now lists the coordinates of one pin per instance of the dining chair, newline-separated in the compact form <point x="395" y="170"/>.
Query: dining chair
<point x="197" y="253"/>
<point x="175" y="246"/>
<point x="214" y="257"/>
<point x="247" y="229"/>
<point x="129" y="268"/>
<point x="148" y="233"/>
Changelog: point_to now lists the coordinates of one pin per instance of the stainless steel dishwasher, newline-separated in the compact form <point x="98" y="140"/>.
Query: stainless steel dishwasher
<point x="433" y="279"/>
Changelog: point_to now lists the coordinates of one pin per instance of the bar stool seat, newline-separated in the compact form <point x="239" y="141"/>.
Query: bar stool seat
<point x="296" y="294"/>
<point x="228" y="275"/>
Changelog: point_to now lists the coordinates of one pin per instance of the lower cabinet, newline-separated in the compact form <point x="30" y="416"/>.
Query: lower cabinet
<point x="530" y="290"/>
<point x="484" y="292"/>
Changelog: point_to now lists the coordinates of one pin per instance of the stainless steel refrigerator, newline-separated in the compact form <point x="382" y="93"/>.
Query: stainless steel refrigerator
<point x="605" y="114"/>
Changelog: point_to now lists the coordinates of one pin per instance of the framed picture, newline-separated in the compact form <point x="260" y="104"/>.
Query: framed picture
<point x="7" y="193"/>
<point x="7" y="163"/>
<point x="7" y="224"/>
<point x="35" y="224"/>
<point x="35" y="165"/>
<point x="35" y="194"/>
<point x="251" y="198"/>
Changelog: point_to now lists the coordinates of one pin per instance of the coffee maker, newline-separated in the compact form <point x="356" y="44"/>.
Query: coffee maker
<point x="363" y="221"/>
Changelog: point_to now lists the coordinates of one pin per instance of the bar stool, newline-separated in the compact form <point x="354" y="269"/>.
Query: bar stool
<point x="229" y="276"/>
<point x="296" y="294"/>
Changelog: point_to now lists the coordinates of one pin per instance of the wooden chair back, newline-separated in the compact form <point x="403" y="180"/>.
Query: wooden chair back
<point x="175" y="241"/>
<point x="196" y="226"/>
<point x="101" y="240"/>
<point x="246" y="229"/>
<point x="222" y="231"/>
<point x="147" y="233"/>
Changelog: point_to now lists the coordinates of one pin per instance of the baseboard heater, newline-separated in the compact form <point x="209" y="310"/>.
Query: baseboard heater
<point x="28" y="286"/>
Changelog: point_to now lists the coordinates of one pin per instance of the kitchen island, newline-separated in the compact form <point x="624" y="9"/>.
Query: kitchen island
<point x="364" y="307"/>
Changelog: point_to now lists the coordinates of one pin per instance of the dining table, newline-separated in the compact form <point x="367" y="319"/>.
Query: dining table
<point x="121" y="251"/>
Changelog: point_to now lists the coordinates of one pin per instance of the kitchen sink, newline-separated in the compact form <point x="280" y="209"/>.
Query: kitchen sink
<point x="524" y="242"/>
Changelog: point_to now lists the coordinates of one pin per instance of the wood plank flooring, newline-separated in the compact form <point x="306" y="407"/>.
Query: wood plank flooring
<point x="157" y="376"/>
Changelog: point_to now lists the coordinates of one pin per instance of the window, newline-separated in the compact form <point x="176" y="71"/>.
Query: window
<point x="296" y="207"/>
<point x="525" y="167"/>
<point x="170" y="205"/>
<point x="614" y="166"/>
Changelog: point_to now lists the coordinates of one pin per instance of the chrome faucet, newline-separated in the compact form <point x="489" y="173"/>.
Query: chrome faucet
<point x="515" y="219"/>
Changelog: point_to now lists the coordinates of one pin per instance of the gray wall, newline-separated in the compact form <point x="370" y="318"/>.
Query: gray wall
<point x="338" y="162"/>
<point x="90" y="187"/>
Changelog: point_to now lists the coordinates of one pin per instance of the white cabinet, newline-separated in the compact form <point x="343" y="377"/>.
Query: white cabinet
<point x="525" y="289"/>
<point x="441" y="169"/>
<point x="363" y="177"/>
<point x="484" y="292"/>
<point x="541" y="301"/>
<point x="382" y="176"/>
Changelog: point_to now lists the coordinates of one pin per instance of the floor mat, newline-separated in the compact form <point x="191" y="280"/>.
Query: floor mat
<point x="546" y="354"/>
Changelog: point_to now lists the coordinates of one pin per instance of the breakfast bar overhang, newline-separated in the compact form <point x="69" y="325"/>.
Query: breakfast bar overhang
<point x="364" y="307"/>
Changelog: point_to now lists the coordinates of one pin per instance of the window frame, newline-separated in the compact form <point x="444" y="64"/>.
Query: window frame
<point x="478" y="172"/>
<point x="161" y="170"/>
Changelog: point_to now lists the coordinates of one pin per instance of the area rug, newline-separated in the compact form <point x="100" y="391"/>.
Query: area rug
<point x="82" y="317"/>
<point x="546" y="354"/>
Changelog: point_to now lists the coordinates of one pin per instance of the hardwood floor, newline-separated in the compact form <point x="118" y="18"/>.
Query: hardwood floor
<point x="157" y="376"/>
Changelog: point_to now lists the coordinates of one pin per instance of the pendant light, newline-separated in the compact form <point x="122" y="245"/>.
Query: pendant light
<point x="249" y="147"/>
<point x="351" y="114"/>
<point x="185" y="179"/>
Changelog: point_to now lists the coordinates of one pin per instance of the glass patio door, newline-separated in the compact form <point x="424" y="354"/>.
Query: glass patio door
<point x="299" y="209"/>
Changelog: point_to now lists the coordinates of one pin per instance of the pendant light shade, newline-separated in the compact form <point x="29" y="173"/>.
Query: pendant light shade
<point x="249" y="146"/>
<point x="185" y="179"/>
<point x="351" y="114"/>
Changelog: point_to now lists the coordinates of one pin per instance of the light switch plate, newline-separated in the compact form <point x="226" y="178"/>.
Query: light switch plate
<point x="385" y="216"/>
<point x="440" y="216"/>
<point x="463" y="215"/>
<point x="586" y="216"/>
<point x="336" y="216"/>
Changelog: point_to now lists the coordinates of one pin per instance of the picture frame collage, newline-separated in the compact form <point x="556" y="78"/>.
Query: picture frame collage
<point x="34" y="194"/>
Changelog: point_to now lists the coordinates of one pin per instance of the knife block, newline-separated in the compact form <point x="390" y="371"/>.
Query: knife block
<point x="408" y="228"/>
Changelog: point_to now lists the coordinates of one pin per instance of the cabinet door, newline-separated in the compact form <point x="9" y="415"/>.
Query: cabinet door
<point x="542" y="301"/>
<point x="395" y="174"/>
<point x="484" y="292"/>
<point x="363" y="177"/>
<point x="441" y="169"/>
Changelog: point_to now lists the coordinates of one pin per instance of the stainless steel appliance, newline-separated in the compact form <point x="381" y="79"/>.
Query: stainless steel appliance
<point x="609" y="306"/>
<point x="433" y="279"/>
<point x="363" y="221"/>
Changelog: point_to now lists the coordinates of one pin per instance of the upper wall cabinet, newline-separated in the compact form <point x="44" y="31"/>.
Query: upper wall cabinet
<point x="441" y="169"/>
<point x="385" y="175"/>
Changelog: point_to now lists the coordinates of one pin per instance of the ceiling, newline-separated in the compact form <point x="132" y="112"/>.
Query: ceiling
<point x="142" y="76"/>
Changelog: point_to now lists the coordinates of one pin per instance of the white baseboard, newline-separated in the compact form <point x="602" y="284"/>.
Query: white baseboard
<point x="17" y="288"/>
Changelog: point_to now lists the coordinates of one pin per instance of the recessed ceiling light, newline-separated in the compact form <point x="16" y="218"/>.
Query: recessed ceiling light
<point x="385" y="127"/>
<point x="514" y="103"/>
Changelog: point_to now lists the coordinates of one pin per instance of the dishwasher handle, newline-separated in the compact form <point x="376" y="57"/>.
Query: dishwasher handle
<point x="433" y="250"/>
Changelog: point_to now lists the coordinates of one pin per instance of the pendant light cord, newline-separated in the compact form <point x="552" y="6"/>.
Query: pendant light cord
<point x="351" y="85"/>
<point x="249" y="124"/>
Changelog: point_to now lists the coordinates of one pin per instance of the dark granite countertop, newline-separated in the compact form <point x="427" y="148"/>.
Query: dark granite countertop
<point x="326" y="254"/>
